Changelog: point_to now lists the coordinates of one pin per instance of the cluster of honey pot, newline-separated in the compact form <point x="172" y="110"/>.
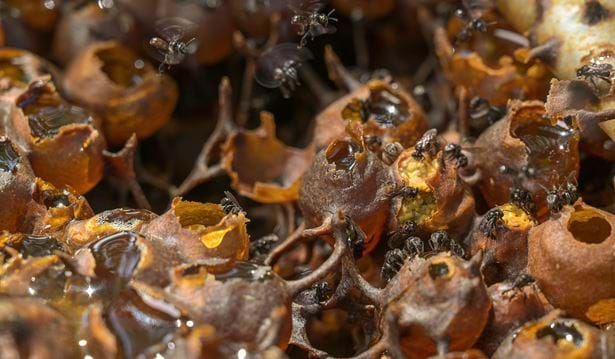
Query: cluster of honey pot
<point x="463" y="210"/>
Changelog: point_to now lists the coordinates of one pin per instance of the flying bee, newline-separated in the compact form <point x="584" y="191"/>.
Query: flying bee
<point x="453" y="153"/>
<point x="596" y="71"/>
<point x="491" y="222"/>
<point x="428" y="144"/>
<point x="473" y="23"/>
<point x="279" y="67"/>
<point x="230" y="205"/>
<point x="420" y="94"/>
<point x="311" y="22"/>
<point x="478" y="25"/>
<point x="175" y="42"/>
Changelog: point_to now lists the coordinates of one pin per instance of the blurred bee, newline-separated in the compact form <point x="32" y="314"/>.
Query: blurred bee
<point x="373" y="143"/>
<point x="102" y="4"/>
<point x="279" y="67"/>
<point x="261" y="246"/>
<point x="254" y="6"/>
<point x="322" y="291"/>
<point x="405" y="192"/>
<point x="595" y="71"/>
<point x="105" y="4"/>
<point x="172" y="48"/>
<point x="9" y="158"/>
<point x="312" y="23"/>
<point x="230" y="204"/>
<point x="391" y="151"/>
<point x="519" y="175"/>
<point x="397" y="238"/>
<point x="210" y="4"/>
<point x="473" y="23"/>
<point x="483" y="114"/>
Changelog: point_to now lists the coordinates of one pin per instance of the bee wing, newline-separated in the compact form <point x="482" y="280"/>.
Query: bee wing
<point x="265" y="73"/>
<point x="192" y="46"/>
<point x="478" y="5"/>
<point x="305" y="7"/>
<point x="313" y="5"/>
<point x="275" y="58"/>
<point x="175" y="28"/>
<point x="296" y="8"/>
<point x="319" y="29"/>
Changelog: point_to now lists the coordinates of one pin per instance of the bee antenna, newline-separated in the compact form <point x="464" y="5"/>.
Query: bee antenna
<point x="572" y="177"/>
<point x="543" y="188"/>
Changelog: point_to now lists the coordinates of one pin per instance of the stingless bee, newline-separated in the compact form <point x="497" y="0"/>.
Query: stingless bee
<point x="230" y="204"/>
<point x="473" y="23"/>
<point x="311" y="22"/>
<point x="428" y="144"/>
<point x="279" y="67"/>
<point x="491" y="222"/>
<point x="174" y="43"/>
<point x="595" y="71"/>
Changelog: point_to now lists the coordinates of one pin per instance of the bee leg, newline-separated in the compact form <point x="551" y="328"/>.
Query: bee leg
<point x="304" y="40"/>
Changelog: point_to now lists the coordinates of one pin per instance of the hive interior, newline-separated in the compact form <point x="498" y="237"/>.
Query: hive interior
<point x="589" y="226"/>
